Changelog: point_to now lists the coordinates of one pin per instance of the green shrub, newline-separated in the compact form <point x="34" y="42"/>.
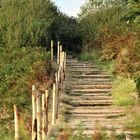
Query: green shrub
<point x="86" y="57"/>
<point x="19" y="69"/>
<point x="26" y="22"/>
<point x="124" y="91"/>
<point x="94" y="57"/>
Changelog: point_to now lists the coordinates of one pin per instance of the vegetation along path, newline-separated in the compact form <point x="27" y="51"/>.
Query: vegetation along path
<point x="88" y="101"/>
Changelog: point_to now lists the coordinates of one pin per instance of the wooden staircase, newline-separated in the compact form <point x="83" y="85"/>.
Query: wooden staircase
<point x="87" y="93"/>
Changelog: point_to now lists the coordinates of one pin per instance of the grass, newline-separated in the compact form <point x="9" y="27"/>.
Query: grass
<point x="94" y="58"/>
<point x="124" y="91"/>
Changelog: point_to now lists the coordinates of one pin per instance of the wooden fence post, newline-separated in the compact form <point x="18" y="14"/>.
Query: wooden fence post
<point x="47" y="104"/>
<point x="44" y="124"/>
<point x="62" y="73"/>
<point x="58" y="52"/>
<point x="65" y="60"/>
<point x="54" y="105"/>
<point x="59" y="72"/>
<point x="61" y="48"/>
<point x="52" y="51"/>
<point x="38" y="117"/>
<point x="34" y="121"/>
<point x="62" y="65"/>
<point x="16" y="117"/>
<point x="57" y="90"/>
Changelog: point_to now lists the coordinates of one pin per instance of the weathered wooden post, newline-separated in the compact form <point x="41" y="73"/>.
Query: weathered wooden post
<point x="38" y="117"/>
<point x="62" y="73"/>
<point x="57" y="94"/>
<point x="34" y="121"/>
<point x="62" y="65"/>
<point x="65" y="60"/>
<point x="16" y="117"/>
<point x="54" y="105"/>
<point x="44" y="123"/>
<point x="47" y="104"/>
<point x="51" y="51"/>
<point x="61" y="48"/>
<point x="59" y="73"/>
<point x="58" y="52"/>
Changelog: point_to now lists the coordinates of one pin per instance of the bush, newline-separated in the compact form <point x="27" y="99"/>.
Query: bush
<point x="26" y="22"/>
<point x="18" y="71"/>
<point x="107" y="30"/>
<point x="124" y="91"/>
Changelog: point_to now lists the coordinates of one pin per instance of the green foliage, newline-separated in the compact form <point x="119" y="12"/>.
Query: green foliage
<point x="34" y="23"/>
<point x="124" y="92"/>
<point x="134" y="10"/>
<point x="25" y="27"/>
<point x="95" y="58"/>
<point x="67" y="30"/>
<point x="18" y="71"/>
<point x="107" y="32"/>
<point x="87" y="57"/>
<point x="25" y="22"/>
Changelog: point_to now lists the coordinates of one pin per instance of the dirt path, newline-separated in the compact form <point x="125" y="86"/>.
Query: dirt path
<point x="88" y="100"/>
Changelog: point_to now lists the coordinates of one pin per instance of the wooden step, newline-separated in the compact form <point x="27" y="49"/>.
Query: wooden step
<point x="92" y="90"/>
<point x="99" y="108"/>
<point x="84" y="70"/>
<point x="90" y="133"/>
<point x="77" y="64"/>
<point x="87" y="94"/>
<point x="83" y="67"/>
<point x="72" y="61"/>
<point x="95" y="111"/>
<point x="92" y="98"/>
<point x="90" y="72"/>
<point x="91" y="76"/>
<point x="118" y="120"/>
<point x="85" y="82"/>
<point x="91" y="103"/>
<point x="90" y="116"/>
<point x="103" y="126"/>
<point x="88" y="80"/>
<point x="107" y="86"/>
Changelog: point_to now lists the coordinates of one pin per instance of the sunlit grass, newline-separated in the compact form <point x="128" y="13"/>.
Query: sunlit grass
<point x="124" y="91"/>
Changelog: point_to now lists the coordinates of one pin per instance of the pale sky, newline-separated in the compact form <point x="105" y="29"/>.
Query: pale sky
<point x="70" y="7"/>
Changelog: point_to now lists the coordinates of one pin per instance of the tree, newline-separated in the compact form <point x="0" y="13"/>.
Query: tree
<point x="67" y="30"/>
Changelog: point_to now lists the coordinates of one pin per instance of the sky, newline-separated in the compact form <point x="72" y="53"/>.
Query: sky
<point x="70" y="7"/>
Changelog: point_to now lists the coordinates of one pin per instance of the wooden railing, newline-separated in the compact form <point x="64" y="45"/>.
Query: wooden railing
<point x="40" y="106"/>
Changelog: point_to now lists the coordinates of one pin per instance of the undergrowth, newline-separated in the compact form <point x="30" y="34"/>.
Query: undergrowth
<point x="95" y="58"/>
<point x="124" y="91"/>
<point x="19" y="69"/>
